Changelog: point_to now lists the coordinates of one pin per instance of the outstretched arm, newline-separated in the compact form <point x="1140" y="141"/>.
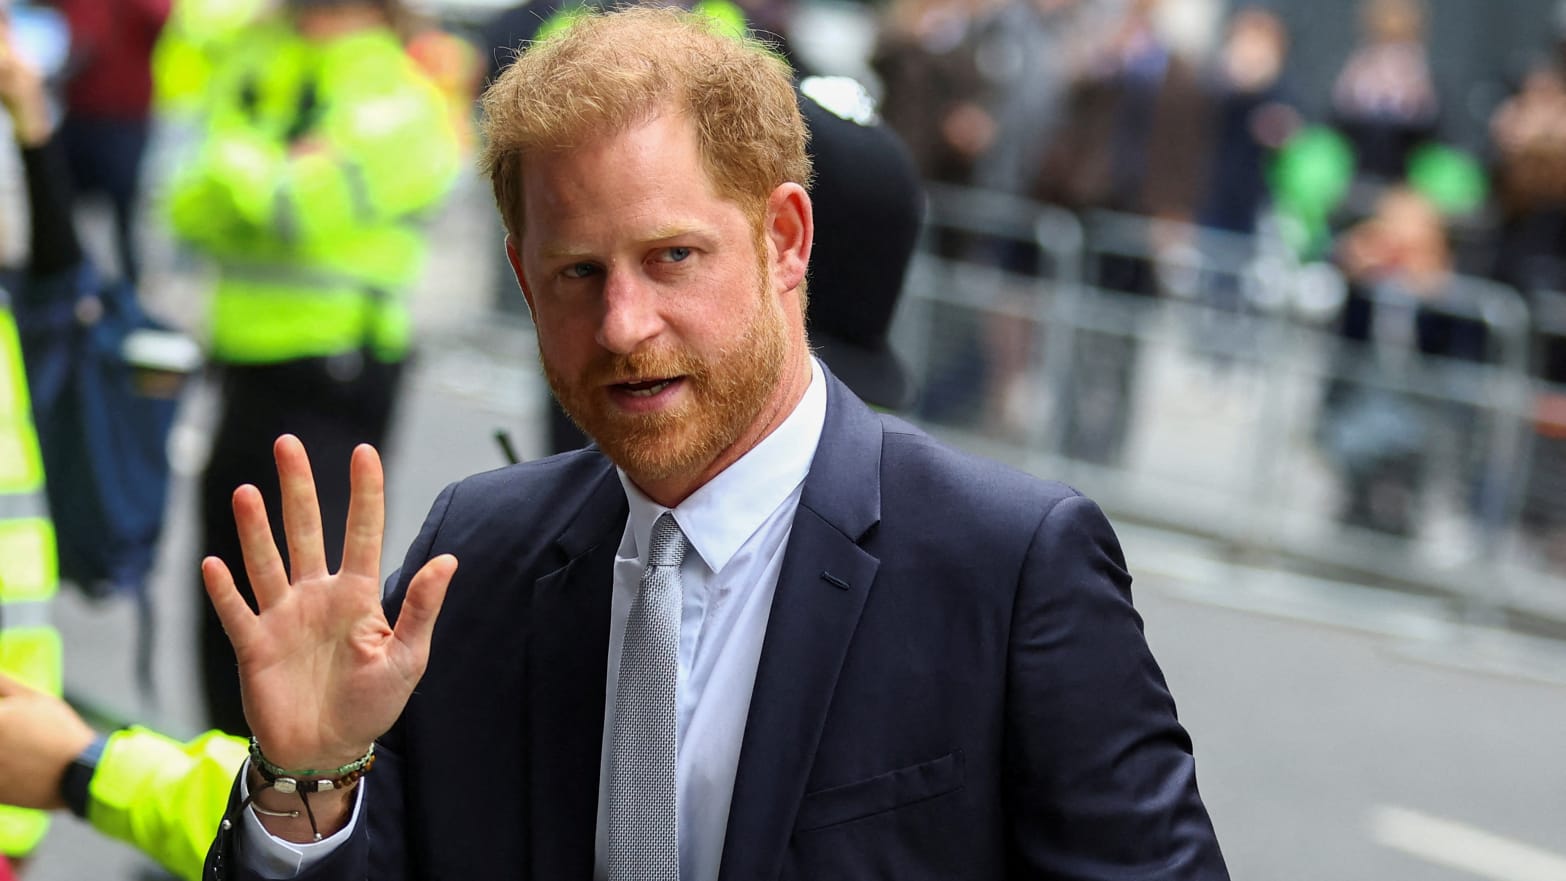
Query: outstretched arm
<point x="321" y="671"/>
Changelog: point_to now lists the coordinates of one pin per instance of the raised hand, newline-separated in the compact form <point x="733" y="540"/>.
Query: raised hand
<point x="321" y="671"/>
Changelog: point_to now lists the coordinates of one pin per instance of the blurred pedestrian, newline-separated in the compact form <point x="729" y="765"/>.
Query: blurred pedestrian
<point x="322" y="147"/>
<point x="1134" y="138"/>
<point x="1028" y="53"/>
<point x="931" y="91"/>
<point x="1134" y="142"/>
<point x="1253" y="115"/>
<point x="108" y="106"/>
<point x="1384" y="98"/>
<point x="1528" y="144"/>
<point x="1389" y="406"/>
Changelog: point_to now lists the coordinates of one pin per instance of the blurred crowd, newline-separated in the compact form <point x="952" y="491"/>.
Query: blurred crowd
<point x="1095" y="107"/>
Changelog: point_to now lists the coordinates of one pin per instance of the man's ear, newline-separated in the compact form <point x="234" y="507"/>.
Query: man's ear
<point x="516" y="269"/>
<point x="790" y="229"/>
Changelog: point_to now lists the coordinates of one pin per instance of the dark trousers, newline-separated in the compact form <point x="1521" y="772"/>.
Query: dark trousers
<point x="105" y="156"/>
<point x="332" y="406"/>
<point x="1100" y="396"/>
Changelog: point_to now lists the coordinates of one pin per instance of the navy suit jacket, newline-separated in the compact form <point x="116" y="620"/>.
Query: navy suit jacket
<point x="953" y="684"/>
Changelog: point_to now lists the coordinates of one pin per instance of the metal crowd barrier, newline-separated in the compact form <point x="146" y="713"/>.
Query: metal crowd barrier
<point x="1187" y="378"/>
<point x="1543" y="515"/>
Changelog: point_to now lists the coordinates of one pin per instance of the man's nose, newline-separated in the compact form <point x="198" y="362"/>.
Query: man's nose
<point x="631" y="315"/>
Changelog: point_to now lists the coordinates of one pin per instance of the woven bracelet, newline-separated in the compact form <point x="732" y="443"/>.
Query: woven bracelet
<point x="304" y="782"/>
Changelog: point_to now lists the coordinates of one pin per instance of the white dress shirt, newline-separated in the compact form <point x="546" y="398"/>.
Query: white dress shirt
<point x="738" y="526"/>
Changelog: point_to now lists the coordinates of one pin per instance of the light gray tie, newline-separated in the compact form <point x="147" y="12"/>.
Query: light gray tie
<point x="643" y="825"/>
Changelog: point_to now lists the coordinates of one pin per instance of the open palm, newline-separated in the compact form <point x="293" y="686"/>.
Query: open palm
<point x="321" y="671"/>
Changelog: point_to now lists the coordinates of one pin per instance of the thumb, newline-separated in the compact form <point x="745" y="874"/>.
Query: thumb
<point x="420" y="608"/>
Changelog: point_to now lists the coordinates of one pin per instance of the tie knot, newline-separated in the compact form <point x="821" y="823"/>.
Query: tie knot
<point x="667" y="546"/>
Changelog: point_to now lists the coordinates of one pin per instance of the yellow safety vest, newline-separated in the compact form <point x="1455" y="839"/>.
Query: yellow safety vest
<point x="30" y="648"/>
<point x="317" y="163"/>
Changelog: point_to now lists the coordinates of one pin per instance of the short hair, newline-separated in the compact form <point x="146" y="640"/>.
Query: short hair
<point x="610" y="71"/>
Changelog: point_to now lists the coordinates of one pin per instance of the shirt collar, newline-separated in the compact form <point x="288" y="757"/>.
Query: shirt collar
<point x="724" y="513"/>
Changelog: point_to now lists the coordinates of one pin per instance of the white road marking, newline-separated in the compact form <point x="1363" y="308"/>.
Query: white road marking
<point x="1463" y="847"/>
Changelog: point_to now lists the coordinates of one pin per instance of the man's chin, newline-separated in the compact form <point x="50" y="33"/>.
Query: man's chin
<point x="654" y="452"/>
<point x="646" y="467"/>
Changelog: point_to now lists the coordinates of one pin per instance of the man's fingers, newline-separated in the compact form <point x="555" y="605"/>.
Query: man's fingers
<point x="420" y="608"/>
<point x="301" y="509"/>
<point x="366" y="514"/>
<point x="268" y="576"/>
<point x="232" y="610"/>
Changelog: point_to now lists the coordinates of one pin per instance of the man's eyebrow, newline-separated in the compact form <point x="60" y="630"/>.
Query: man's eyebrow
<point x="678" y="230"/>
<point x="558" y="250"/>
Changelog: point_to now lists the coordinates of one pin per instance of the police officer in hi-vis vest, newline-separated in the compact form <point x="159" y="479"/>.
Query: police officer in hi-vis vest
<point x="322" y="147"/>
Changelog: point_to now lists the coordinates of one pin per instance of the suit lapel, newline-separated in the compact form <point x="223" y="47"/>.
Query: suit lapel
<point x="822" y="587"/>
<point x="567" y="659"/>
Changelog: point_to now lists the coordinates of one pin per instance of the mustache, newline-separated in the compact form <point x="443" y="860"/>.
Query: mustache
<point x="615" y="369"/>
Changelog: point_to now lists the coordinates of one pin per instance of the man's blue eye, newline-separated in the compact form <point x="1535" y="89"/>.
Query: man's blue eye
<point x="677" y="254"/>
<point x="579" y="270"/>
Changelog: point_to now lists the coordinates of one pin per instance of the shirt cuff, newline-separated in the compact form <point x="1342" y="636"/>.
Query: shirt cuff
<point x="272" y="857"/>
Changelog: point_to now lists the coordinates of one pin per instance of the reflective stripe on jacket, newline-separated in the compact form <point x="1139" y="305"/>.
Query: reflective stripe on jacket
<point x="29" y="569"/>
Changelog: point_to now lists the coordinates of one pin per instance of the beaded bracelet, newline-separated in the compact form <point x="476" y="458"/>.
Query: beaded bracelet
<point x="304" y="782"/>
<point x="269" y="770"/>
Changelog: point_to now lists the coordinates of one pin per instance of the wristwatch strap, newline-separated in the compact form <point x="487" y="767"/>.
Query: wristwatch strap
<point x="77" y="782"/>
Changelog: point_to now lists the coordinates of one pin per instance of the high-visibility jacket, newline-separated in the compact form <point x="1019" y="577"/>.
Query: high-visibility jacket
<point x="29" y="569"/>
<point x="317" y="162"/>
<point x="164" y="797"/>
<point x="197" y="34"/>
<point x="729" y="17"/>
